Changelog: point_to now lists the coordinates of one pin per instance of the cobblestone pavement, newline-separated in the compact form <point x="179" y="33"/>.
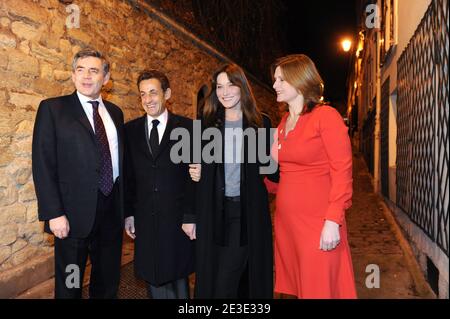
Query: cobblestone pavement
<point x="373" y="241"/>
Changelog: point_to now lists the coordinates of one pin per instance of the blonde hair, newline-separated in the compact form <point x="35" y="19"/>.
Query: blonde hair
<point x="300" y="72"/>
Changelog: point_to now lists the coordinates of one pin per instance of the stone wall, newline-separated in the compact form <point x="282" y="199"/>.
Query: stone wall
<point x="36" y="49"/>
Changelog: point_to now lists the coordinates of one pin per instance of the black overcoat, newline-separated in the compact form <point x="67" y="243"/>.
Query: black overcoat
<point x="256" y="224"/>
<point x="157" y="194"/>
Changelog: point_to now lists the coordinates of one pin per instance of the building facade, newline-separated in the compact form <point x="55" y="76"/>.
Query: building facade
<point x="398" y="106"/>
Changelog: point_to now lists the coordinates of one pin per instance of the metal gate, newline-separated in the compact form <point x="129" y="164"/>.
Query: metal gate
<point x="423" y="115"/>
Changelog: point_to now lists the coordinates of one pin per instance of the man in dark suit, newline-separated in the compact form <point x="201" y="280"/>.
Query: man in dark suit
<point x="77" y="170"/>
<point x="159" y="194"/>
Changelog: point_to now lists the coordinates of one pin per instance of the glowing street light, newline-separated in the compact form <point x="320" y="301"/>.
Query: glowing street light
<point x="346" y="45"/>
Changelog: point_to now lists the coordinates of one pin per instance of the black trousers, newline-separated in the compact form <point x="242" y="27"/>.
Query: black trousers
<point x="177" y="289"/>
<point x="233" y="258"/>
<point x="104" y="247"/>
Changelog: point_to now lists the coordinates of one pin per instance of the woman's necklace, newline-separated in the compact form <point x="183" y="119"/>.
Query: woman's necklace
<point x="285" y="132"/>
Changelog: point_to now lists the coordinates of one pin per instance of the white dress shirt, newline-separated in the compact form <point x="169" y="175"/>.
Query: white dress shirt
<point x="110" y="128"/>
<point x="162" y="118"/>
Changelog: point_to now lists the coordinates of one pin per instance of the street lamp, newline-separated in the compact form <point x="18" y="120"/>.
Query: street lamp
<point x="346" y="45"/>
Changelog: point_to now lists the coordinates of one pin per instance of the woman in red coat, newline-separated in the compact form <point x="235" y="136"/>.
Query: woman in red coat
<point x="312" y="255"/>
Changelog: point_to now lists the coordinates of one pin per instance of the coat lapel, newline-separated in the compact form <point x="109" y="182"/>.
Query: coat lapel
<point x="171" y="124"/>
<point x="115" y="119"/>
<point x="143" y="135"/>
<point x="80" y="115"/>
<point x="118" y="124"/>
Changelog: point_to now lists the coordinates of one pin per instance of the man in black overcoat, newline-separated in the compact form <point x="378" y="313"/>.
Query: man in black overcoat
<point x="159" y="194"/>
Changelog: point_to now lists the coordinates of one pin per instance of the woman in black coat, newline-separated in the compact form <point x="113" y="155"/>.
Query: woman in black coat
<point x="233" y="225"/>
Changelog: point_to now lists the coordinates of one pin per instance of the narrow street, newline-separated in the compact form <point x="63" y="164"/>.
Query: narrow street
<point x="374" y="241"/>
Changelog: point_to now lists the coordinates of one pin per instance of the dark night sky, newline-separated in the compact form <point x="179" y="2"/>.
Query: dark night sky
<point x="315" y="28"/>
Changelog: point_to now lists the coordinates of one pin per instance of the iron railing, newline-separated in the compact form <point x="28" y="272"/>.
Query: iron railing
<point x="423" y="115"/>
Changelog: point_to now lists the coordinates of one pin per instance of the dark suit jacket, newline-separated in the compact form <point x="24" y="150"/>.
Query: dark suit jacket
<point x="65" y="160"/>
<point x="159" y="194"/>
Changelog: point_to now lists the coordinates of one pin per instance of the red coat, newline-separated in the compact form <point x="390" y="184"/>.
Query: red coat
<point x="315" y="185"/>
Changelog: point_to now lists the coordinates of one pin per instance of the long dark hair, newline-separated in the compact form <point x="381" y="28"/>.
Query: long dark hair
<point x="214" y="112"/>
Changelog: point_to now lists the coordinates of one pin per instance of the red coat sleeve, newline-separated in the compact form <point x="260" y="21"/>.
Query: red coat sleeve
<point x="338" y="148"/>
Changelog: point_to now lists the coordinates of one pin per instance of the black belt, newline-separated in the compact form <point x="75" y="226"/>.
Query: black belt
<point x="233" y="198"/>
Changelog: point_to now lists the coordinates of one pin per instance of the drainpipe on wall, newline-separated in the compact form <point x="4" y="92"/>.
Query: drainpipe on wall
<point x="377" y="131"/>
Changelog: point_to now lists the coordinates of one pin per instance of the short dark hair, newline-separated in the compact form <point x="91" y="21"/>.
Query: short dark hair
<point x="90" y="52"/>
<point x="154" y="74"/>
